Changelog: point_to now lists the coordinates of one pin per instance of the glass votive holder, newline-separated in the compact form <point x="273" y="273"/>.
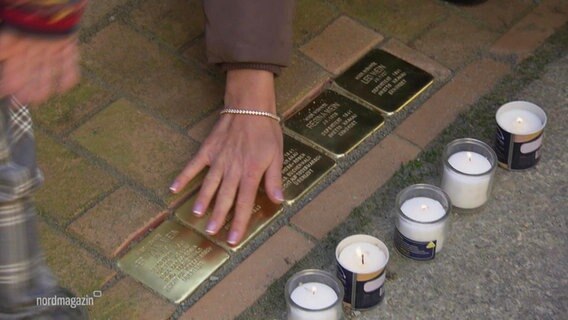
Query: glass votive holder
<point x="468" y="169"/>
<point x="315" y="295"/>
<point x="422" y="221"/>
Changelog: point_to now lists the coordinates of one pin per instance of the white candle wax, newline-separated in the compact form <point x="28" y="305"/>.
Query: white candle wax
<point x="423" y="210"/>
<point x="313" y="296"/>
<point x="467" y="191"/>
<point x="518" y="121"/>
<point x="362" y="258"/>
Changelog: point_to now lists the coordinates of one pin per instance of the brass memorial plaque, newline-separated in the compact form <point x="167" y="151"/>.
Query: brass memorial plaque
<point x="173" y="260"/>
<point x="303" y="168"/>
<point x="264" y="211"/>
<point x="385" y="81"/>
<point x="175" y="200"/>
<point x="335" y="122"/>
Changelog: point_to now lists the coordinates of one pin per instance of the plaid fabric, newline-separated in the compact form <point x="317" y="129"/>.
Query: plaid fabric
<point x="19" y="122"/>
<point x="24" y="275"/>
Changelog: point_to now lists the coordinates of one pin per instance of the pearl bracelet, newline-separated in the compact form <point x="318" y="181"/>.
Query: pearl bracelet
<point x="250" y="113"/>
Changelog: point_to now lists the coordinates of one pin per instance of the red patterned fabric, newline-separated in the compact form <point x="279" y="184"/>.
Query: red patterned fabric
<point x="42" y="16"/>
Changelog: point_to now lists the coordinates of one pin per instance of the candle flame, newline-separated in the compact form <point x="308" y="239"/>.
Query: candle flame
<point x="424" y="207"/>
<point x="469" y="156"/>
<point x="314" y="290"/>
<point x="519" y="120"/>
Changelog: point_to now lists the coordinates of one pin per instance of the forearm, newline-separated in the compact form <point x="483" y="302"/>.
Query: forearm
<point x="55" y="17"/>
<point x="249" y="34"/>
<point x="250" y="89"/>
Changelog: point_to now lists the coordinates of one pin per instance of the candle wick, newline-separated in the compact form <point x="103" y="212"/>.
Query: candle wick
<point x="424" y="207"/>
<point x="519" y="120"/>
<point x="363" y="258"/>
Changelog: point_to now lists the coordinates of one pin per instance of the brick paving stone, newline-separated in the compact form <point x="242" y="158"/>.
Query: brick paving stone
<point x="115" y="220"/>
<point x="329" y="208"/>
<point x="71" y="182"/>
<point x="455" y="41"/>
<point x="97" y="9"/>
<point x="418" y="59"/>
<point x="74" y="267"/>
<point x="401" y="19"/>
<point x="201" y="130"/>
<point x="252" y="277"/>
<point x="173" y="21"/>
<point x="136" y="144"/>
<point x="298" y="82"/>
<point x="310" y="17"/>
<point x="63" y="112"/>
<point x="196" y="52"/>
<point x="499" y="15"/>
<point x="176" y="90"/>
<point x="457" y="96"/>
<point x="130" y="300"/>
<point x="530" y="32"/>
<point x="341" y="44"/>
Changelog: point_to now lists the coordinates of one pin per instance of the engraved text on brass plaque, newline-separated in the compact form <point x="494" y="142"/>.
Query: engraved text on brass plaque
<point x="384" y="80"/>
<point x="303" y="168"/>
<point x="173" y="260"/>
<point x="335" y="122"/>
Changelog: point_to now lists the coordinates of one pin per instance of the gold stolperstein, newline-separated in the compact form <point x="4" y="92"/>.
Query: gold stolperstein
<point x="384" y="81"/>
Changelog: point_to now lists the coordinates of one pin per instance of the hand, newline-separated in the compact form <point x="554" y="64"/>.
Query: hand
<point x="240" y="150"/>
<point x="33" y="68"/>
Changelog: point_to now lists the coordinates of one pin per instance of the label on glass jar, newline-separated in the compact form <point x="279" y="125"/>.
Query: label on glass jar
<point x="417" y="250"/>
<point x="517" y="152"/>
<point x="362" y="291"/>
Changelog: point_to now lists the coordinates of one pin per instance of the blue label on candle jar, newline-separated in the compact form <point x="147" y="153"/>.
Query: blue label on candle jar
<point x="517" y="152"/>
<point x="362" y="291"/>
<point x="417" y="250"/>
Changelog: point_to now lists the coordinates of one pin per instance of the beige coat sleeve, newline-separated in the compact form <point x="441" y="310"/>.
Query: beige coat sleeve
<point x="249" y="33"/>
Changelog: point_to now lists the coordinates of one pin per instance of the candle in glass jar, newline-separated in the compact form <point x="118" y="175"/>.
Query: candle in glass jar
<point x="422" y="221"/>
<point x="421" y="210"/>
<point x="468" y="172"/>
<point x="314" y="295"/>
<point x="467" y="191"/>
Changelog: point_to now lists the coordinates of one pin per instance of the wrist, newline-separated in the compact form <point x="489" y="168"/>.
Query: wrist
<point x="250" y="89"/>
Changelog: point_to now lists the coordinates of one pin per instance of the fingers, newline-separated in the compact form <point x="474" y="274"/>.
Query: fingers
<point x="189" y="172"/>
<point x="273" y="180"/>
<point x="244" y="205"/>
<point x="210" y="184"/>
<point x="224" y="200"/>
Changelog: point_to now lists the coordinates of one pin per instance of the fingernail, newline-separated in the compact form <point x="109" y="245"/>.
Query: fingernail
<point x="211" y="227"/>
<point x="174" y="187"/>
<point x="198" y="209"/>
<point x="279" y="195"/>
<point x="232" y="238"/>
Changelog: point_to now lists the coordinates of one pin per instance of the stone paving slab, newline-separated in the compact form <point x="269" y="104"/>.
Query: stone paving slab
<point x="149" y="98"/>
